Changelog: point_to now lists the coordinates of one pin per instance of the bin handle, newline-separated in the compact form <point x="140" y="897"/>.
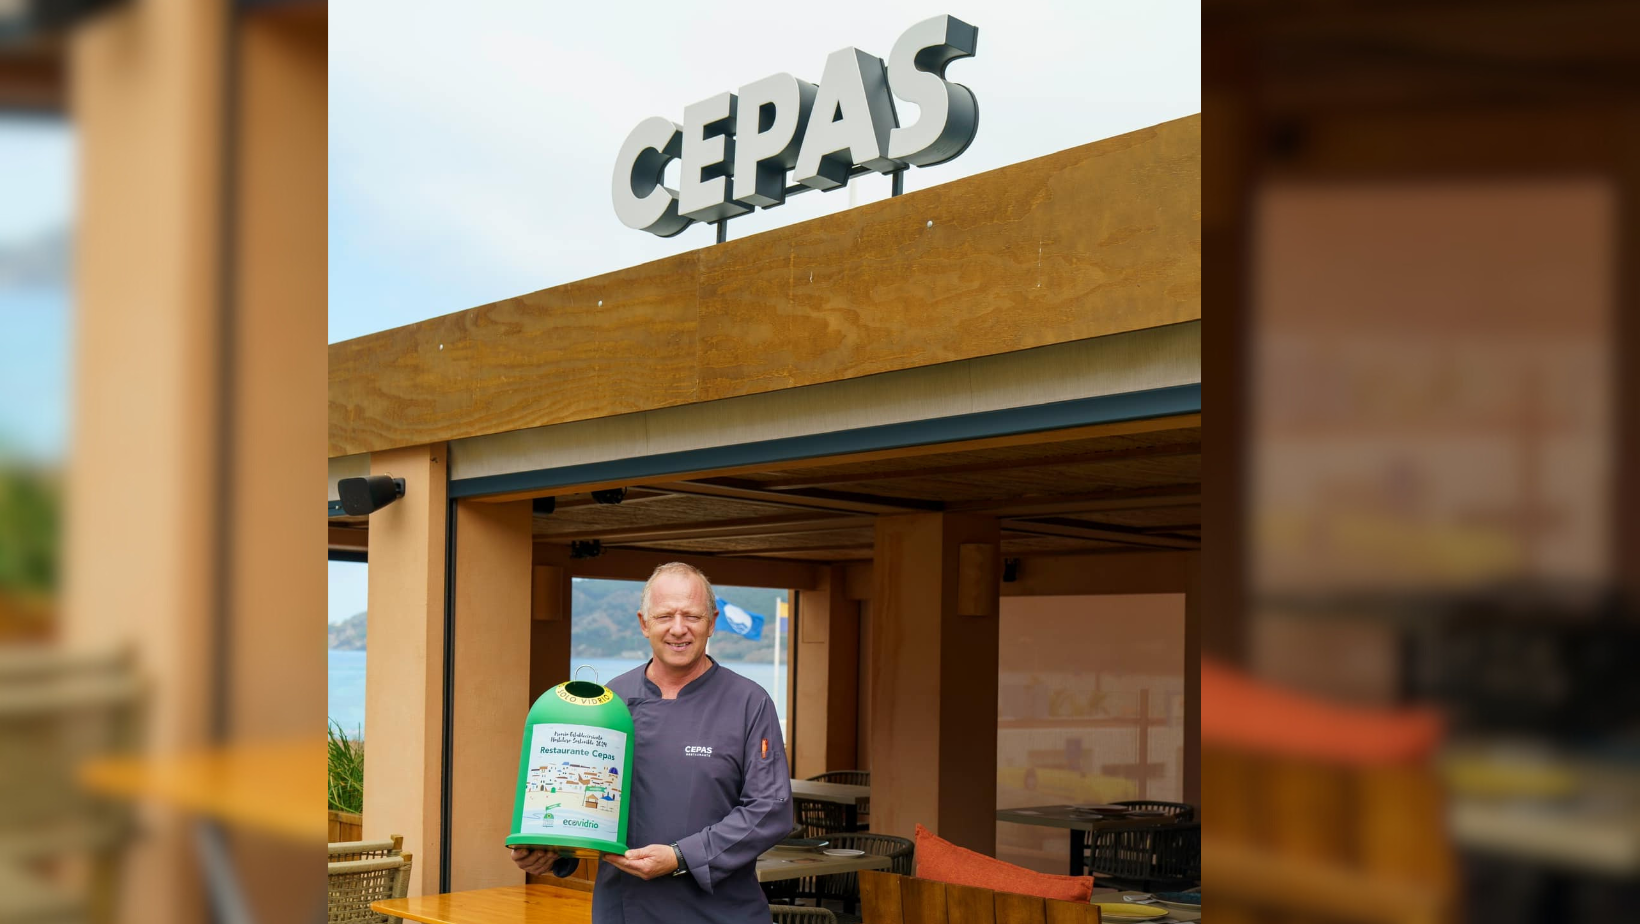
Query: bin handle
<point x="587" y="667"/>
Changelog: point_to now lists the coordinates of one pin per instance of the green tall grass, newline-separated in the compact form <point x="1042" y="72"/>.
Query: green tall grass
<point x="346" y="772"/>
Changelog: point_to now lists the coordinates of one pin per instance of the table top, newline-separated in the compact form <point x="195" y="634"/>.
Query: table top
<point x="277" y="787"/>
<point x="545" y="904"/>
<point x="795" y="863"/>
<point x="519" y="904"/>
<point x="1064" y="816"/>
<point x="842" y="793"/>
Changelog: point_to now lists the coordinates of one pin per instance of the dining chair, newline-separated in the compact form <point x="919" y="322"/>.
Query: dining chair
<point x="367" y="850"/>
<point x="797" y="914"/>
<point x="847" y="777"/>
<point x="819" y="818"/>
<point x="850" y="778"/>
<point x="354" y="884"/>
<point x="1152" y="859"/>
<point x="60" y="709"/>
<point x="1182" y="812"/>
<point x="845" y="887"/>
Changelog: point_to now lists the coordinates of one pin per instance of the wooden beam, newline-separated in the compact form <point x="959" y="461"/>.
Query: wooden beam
<point x="814" y="547"/>
<point x="638" y="564"/>
<point x="342" y="537"/>
<point x="579" y="498"/>
<point x="742" y="527"/>
<point x="1037" y="438"/>
<point x="759" y="313"/>
<point x="1104" y="534"/>
<point x="805" y="500"/>
<point x="991" y="465"/>
<point x="1183" y="495"/>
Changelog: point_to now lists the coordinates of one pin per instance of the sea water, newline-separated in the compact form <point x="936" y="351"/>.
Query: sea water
<point x="347" y="683"/>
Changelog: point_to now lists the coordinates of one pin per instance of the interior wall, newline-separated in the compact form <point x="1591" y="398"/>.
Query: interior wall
<point x="1091" y="709"/>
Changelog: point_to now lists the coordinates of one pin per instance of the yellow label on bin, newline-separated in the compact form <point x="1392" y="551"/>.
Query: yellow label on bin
<point x="574" y="700"/>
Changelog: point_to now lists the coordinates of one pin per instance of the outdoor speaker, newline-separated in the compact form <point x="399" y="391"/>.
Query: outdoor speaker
<point x="363" y="496"/>
<point x="575" y="772"/>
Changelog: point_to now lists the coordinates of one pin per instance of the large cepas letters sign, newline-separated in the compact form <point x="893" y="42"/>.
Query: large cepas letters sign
<point x="732" y="165"/>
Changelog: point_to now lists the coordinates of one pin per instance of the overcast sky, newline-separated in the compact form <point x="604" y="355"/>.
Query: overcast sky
<point x="36" y="208"/>
<point x="471" y="145"/>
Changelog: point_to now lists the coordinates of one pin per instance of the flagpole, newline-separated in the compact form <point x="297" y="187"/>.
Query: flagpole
<point x="779" y="612"/>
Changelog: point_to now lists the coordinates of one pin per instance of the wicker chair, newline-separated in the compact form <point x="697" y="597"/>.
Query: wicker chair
<point x="354" y="884"/>
<point x="850" y="778"/>
<point x="845" y="887"/>
<point x="1152" y="859"/>
<point x="1182" y="812"/>
<point x="366" y="850"/>
<point x="794" y="914"/>
<point x="847" y="777"/>
<point x="818" y="818"/>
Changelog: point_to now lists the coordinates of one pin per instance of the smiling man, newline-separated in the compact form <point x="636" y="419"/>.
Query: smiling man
<point x="710" y="787"/>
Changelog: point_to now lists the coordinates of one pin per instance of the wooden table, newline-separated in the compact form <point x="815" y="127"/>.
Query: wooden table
<point x="1080" y="826"/>
<point x="520" y="904"/>
<point x="545" y="904"/>
<point x="852" y="798"/>
<point x="273" y="787"/>
<point x="795" y="863"/>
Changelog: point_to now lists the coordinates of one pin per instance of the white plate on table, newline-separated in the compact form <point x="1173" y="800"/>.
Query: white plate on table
<point x="843" y="852"/>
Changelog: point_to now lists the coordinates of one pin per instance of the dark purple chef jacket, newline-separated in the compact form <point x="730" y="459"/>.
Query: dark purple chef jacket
<point x="700" y="779"/>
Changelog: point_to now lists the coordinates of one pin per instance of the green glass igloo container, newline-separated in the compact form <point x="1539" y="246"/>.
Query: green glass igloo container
<point x="575" y="772"/>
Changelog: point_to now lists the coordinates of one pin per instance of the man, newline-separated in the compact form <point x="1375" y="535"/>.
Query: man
<point x="710" y="789"/>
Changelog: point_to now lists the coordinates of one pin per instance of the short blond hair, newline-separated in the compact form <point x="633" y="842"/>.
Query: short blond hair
<point x="677" y="567"/>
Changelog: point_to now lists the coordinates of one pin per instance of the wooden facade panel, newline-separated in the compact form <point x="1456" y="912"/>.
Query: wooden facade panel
<point x="613" y="344"/>
<point x="1091" y="241"/>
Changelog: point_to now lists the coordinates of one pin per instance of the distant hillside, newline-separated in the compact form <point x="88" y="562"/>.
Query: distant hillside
<point x="348" y="635"/>
<point x="606" y="623"/>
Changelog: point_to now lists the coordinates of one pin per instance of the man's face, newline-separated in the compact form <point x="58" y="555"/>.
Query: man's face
<point x="679" y="622"/>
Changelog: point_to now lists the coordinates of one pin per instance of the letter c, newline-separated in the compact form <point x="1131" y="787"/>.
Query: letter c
<point x="641" y="202"/>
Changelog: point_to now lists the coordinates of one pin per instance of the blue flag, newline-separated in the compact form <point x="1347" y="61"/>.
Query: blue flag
<point x="739" y="621"/>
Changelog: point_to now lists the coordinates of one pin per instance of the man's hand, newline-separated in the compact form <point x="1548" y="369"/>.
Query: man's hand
<point x="645" y="862"/>
<point x="535" y="861"/>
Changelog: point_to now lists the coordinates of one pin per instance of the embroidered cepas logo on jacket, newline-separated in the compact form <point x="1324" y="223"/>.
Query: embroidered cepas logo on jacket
<point x="696" y="750"/>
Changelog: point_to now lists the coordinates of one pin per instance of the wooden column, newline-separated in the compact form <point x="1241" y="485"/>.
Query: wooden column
<point x="934" y="677"/>
<point x="404" y="673"/>
<point x="493" y="629"/>
<point x="828" y="653"/>
<point x="549" y="628"/>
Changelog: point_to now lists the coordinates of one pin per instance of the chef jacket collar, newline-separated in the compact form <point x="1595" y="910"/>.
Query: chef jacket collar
<point x="692" y="686"/>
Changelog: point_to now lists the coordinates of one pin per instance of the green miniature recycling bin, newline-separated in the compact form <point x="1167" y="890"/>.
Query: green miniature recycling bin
<point x="575" y="772"/>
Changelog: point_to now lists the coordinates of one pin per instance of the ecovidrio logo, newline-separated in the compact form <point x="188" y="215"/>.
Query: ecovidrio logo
<point x="736" y="148"/>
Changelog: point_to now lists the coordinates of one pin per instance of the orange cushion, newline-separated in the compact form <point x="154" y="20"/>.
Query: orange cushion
<point x="1242" y="712"/>
<point x="941" y="860"/>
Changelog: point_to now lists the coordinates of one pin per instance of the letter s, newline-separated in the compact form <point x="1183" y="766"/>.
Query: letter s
<point x="916" y="73"/>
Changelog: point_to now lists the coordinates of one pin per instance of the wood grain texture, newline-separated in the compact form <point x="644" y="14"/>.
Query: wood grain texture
<point x="922" y="901"/>
<point x="1095" y="240"/>
<point x="1057" y="912"/>
<point x="519" y="904"/>
<point x="969" y="905"/>
<point x="880" y="897"/>
<point x="1012" y="908"/>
